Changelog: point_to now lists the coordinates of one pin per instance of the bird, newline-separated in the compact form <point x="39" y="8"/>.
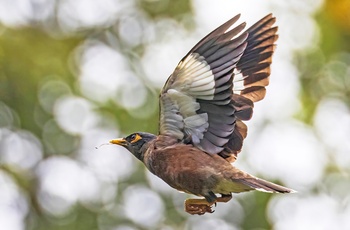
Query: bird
<point x="203" y="106"/>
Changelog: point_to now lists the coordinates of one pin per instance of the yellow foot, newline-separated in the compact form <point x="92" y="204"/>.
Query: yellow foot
<point x="202" y="206"/>
<point x="198" y="206"/>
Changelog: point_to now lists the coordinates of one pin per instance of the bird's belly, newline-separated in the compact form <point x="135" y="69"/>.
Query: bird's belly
<point x="198" y="180"/>
<point x="188" y="169"/>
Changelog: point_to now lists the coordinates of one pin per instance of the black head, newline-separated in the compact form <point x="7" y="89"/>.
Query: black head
<point x="136" y="143"/>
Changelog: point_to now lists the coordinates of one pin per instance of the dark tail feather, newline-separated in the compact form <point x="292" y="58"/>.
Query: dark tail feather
<point x="265" y="186"/>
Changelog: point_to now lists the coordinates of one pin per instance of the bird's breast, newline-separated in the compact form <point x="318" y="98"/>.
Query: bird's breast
<point x="184" y="167"/>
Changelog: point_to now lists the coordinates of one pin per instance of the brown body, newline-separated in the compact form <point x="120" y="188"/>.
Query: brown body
<point x="175" y="163"/>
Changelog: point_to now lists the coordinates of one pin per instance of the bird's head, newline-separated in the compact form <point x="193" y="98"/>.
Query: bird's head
<point x="136" y="143"/>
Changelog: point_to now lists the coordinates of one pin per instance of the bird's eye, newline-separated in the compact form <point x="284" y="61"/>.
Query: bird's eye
<point x="134" y="138"/>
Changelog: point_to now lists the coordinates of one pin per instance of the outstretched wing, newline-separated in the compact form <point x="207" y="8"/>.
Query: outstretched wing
<point x="199" y="101"/>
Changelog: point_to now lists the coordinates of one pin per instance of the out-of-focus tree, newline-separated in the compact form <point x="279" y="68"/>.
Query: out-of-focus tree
<point x="75" y="74"/>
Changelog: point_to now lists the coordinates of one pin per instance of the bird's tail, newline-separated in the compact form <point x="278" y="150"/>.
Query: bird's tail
<point x="263" y="185"/>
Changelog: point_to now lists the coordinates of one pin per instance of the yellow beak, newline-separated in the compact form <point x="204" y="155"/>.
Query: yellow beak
<point x="120" y="141"/>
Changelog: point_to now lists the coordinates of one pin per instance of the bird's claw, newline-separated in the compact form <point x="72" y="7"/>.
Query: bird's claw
<point x="202" y="206"/>
<point x="198" y="209"/>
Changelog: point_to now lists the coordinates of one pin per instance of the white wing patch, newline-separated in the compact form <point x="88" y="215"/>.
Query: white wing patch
<point x="195" y="78"/>
<point x="238" y="81"/>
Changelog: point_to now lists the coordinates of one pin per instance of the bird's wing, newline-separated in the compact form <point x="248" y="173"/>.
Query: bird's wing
<point x="200" y="101"/>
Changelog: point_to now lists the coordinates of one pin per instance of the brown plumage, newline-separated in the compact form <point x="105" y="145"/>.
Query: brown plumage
<point x="202" y="108"/>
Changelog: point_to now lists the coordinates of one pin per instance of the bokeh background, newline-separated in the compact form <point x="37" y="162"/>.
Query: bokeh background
<point x="75" y="74"/>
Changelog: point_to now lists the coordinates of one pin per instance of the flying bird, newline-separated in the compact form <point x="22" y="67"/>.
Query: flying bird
<point x="202" y="108"/>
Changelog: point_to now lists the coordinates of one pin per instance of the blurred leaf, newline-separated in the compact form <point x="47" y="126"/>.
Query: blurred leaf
<point x="166" y="8"/>
<point x="28" y="56"/>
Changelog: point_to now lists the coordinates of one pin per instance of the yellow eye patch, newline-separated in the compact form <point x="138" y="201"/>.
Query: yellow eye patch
<point x="136" y="138"/>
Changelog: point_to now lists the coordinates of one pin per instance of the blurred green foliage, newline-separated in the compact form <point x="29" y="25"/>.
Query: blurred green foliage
<point x="318" y="78"/>
<point x="29" y="57"/>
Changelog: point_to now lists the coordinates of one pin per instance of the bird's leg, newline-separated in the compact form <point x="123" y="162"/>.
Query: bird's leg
<point x="224" y="198"/>
<point x="202" y="206"/>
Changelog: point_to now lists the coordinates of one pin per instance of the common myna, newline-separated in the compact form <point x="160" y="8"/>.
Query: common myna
<point x="202" y="108"/>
